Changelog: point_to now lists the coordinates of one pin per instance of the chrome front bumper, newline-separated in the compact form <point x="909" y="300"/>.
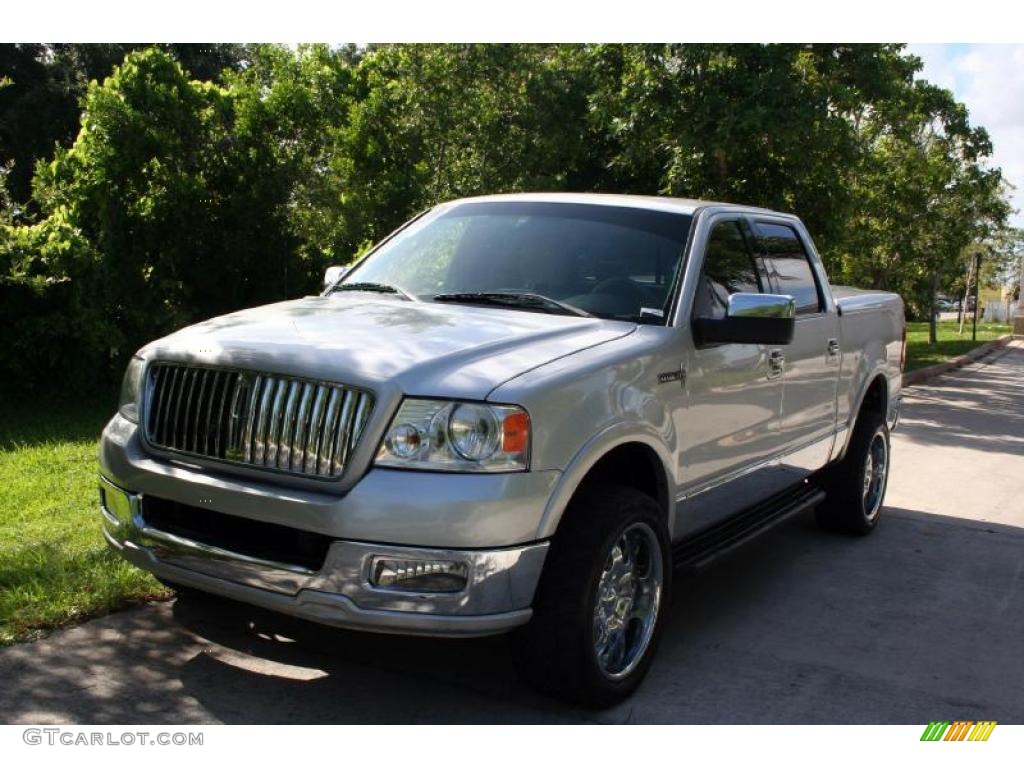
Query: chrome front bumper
<point x="497" y="597"/>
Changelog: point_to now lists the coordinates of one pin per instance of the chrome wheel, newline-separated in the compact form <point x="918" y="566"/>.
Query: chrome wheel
<point x="628" y="599"/>
<point x="876" y="470"/>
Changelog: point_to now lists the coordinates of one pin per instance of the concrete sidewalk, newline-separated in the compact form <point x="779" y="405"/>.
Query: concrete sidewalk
<point x="923" y="620"/>
<point x="963" y="437"/>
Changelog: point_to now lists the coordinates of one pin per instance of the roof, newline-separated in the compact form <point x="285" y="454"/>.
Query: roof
<point x="650" y="202"/>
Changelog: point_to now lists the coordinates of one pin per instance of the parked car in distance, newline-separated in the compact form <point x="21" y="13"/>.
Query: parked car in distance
<point x="516" y="414"/>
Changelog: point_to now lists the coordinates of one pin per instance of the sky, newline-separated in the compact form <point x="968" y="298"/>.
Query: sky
<point x="989" y="79"/>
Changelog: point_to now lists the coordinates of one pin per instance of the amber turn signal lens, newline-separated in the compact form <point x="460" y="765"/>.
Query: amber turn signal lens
<point x="515" y="433"/>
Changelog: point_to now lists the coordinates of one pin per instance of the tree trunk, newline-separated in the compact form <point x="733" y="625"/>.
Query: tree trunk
<point x="977" y="301"/>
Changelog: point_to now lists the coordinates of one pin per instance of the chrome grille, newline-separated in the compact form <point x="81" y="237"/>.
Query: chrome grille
<point x="276" y="422"/>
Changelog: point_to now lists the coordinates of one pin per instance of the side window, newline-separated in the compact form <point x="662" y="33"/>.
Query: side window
<point x="789" y="267"/>
<point x="728" y="268"/>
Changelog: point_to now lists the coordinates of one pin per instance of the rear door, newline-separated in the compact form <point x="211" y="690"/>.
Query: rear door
<point x="811" y="361"/>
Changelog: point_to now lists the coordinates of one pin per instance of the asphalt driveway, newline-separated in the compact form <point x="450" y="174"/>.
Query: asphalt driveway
<point x="924" y="620"/>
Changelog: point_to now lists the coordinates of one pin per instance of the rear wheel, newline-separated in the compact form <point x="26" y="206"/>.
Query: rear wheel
<point x="600" y="605"/>
<point x="855" y="487"/>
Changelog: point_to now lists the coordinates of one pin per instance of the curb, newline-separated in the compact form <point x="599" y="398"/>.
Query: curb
<point x="923" y="374"/>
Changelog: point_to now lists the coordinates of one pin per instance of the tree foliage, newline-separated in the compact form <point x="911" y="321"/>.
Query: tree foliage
<point x="40" y="108"/>
<point x="147" y="187"/>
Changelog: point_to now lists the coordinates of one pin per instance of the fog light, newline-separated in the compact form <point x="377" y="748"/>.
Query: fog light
<point x="419" y="575"/>
<point x="115" y="502"/>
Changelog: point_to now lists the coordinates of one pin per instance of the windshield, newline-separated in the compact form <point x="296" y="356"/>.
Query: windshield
<point x="608" y="261"/>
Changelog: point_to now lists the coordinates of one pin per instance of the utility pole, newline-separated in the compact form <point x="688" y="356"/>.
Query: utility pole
<point x="977" y="280"/>
<point x="967" y="293"/>
<point x="1018" y="316"/>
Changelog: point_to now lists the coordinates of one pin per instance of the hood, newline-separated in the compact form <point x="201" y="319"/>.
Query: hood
<point x="419" y="348"/>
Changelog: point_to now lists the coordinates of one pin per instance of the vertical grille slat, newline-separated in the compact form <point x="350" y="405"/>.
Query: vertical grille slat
<point x="359" y="420"/>
<point x="279" y="423"/>
<point x="271" y="414"/>
<point x="341" y="432"/>
<point x="234" y="431"/>
<point x="233" y="391"/>
<point x="263" y="420"/>
<point x="219" y="421"/>
<point x="216" y="425"/>
<point x="189" y="390"/>
<point x="182" y="382"/>
<point x="204" y="379"/>
<point x="327" y="432"/>
<point x="250" y="422"/>
<point x="312" y="451"/>
<point x="173" y="381"/>
<point x="301" y="428"/>
<point x="153" y="407"/>
<point x="284" y="451"/>
<point x="160" y="393"/>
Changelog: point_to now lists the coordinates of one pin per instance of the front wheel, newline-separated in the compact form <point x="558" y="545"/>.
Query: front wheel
<point x="600" y="605"/>
<point x="855" y="486"/>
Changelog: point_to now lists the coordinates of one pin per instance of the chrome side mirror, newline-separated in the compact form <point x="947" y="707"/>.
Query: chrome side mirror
<point x="761" y="305"/>
<point x="333" y="275"/>
<point x="750" y="318"/>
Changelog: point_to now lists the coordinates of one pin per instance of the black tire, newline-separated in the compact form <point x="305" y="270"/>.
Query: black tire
<point x="556" y="651"/>
<point x="850" y="506"/>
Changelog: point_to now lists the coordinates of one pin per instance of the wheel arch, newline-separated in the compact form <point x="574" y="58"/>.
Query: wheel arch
<point x="641" y="459"/>
<point x="873" y="397"/>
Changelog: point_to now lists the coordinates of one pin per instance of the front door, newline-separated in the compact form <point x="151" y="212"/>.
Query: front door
<point x="728" y="425"/>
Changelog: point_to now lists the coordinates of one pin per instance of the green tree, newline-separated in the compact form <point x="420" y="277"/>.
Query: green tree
<point x="172" y="203"/>
<point x="432" y="122"/>
<point x="921" y="195"/>
<point x="296" y="101"/>
<point x="195" y="180"/>
<point x="41" y="108"/>
<point x="766" y="125"/>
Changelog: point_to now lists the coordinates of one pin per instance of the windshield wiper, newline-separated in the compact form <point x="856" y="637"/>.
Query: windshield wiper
<point x="374" y="288"/>
<point x="533" y="301"/>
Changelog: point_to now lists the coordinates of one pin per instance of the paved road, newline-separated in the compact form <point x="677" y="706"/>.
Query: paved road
<point x="923" y="620"/>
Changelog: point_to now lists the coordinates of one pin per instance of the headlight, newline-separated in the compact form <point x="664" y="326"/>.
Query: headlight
<point x="131" y="390"/>
<point x="457" y="437"/>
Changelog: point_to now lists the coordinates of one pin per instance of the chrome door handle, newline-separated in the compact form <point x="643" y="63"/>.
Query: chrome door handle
<point x="776" y="363"/>
<point x="833" y="348"/>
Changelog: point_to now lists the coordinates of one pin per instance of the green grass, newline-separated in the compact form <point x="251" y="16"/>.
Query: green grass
<point x="950" y="344"/>
<point x="55" y="568"/>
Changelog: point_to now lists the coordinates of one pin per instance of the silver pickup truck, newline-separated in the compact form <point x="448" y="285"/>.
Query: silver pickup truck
<point x="516" y="413"/>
